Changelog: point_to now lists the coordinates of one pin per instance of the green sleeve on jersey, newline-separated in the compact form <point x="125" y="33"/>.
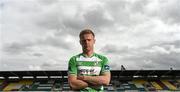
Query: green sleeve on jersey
<point x="72" y="67"/>
<point x="105" y="66"/>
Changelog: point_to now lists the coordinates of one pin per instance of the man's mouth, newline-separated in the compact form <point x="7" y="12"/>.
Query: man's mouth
<point x="86" y="47"/>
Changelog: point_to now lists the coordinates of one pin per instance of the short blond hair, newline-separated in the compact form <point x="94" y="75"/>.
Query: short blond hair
<point x="86" y="31"/>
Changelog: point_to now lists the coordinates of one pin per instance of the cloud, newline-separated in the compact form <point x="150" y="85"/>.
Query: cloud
<point x="166" y="11"/>
<point x="150" y="57"/>
<point x="37" y="54"/>
<point x="47" y="2"/>
<point x="164" y="61"/>
<point x="48" y="20"/>
<point x="176" y="43"/>
<point x="17" y="62"/>
<point x="53" y="41"/>
<point x="157" y="49"/>
<point x="57" y="42"/>
<point x="139" y="34"/>
<point x="16" y="48"/>
<point x="127" y="13"/>
<point x="96" y="16"/>
<point x="113" y="49"/>
<point x="34" y="67"/>
<point x="54" y="64"/>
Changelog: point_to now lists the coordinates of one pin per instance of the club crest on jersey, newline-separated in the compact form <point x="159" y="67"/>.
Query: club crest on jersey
<point x="96" y="63"/>
<point x="106" y="67"/>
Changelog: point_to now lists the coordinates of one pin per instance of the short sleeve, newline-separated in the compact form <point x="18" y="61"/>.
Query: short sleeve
<point x="72" y="66"/>
<point x="105" y="66"/>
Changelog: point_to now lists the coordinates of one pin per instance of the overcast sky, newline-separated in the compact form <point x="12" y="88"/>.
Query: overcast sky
<point x="43" y="34"/>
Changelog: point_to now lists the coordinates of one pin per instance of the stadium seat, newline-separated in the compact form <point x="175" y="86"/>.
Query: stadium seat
<point x="1" y="85"/>
<point x="139" y="84"/>
<point x="13" y="86"/>
<point x="169" y="85"/>
<point x="156" y="85"/>
<point x="117" y="84"/>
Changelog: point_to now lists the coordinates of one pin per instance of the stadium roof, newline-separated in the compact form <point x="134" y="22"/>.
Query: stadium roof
<point x="146" y="73"/>
<point x="158" y="73"/>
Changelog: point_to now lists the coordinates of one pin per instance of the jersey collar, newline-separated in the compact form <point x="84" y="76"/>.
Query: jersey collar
<point x="87" y="56"/>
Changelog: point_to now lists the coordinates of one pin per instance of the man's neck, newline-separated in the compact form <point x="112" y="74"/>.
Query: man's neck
<point x="88" y="54"/>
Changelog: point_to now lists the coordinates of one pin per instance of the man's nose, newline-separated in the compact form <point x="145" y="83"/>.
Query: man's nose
<point x="86" y="41"/>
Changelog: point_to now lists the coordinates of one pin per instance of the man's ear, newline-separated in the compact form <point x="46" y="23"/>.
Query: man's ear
<point x="94" y="40"/>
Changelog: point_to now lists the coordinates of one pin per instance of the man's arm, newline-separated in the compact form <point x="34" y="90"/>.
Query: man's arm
<point x="97" y="80"/>
<point x="75" y="83"/>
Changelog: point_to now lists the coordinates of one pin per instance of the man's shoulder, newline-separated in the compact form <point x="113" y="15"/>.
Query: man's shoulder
<point x="74" y="58"/>
<point x="100" y="56"/>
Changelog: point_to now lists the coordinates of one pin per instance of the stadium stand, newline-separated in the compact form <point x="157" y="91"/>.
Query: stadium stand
<point x="121" y="81"/>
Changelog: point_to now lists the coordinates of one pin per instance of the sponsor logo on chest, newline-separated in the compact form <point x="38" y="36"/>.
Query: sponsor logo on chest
<point x="89" y="70"/>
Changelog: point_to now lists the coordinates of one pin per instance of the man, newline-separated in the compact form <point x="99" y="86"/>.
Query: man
<point x="88" y="71"/>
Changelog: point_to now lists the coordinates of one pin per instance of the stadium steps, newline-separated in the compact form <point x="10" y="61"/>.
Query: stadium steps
<point x="148" y="86"/>
<point x="125" y="86"/>
<point x="129" y="86"/>
<point x="176" y="84"/>
<point x="42" y="85"/>
<point x="156" y="85"/>
<point x="162" y="85"/>
<point x="13" y="86"/>
<point x="1" y="85"/>
<point x="139" y="81"/>
<point x="26" y="82"/>
<point x="178" y="80"/>
<point x="121" y="88"/>
<point x="169" y="85"/>
<point x="66" y="86"/>
<point x="139" y="84"/>
<point x="58" y="85"/>
<point x="34" y="86"/>
<point x="110" y="88"/>
<point x="1" y="81"/>
<point x="132" y="85"/>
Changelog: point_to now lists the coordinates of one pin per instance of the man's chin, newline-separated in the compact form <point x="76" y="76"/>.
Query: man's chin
<point x="87" y="50"/>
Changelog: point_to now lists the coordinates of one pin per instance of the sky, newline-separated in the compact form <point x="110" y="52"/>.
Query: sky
<point x="43" y="34"/>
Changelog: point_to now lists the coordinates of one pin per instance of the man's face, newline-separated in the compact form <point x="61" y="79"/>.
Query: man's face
<point x="87" y="42"/>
